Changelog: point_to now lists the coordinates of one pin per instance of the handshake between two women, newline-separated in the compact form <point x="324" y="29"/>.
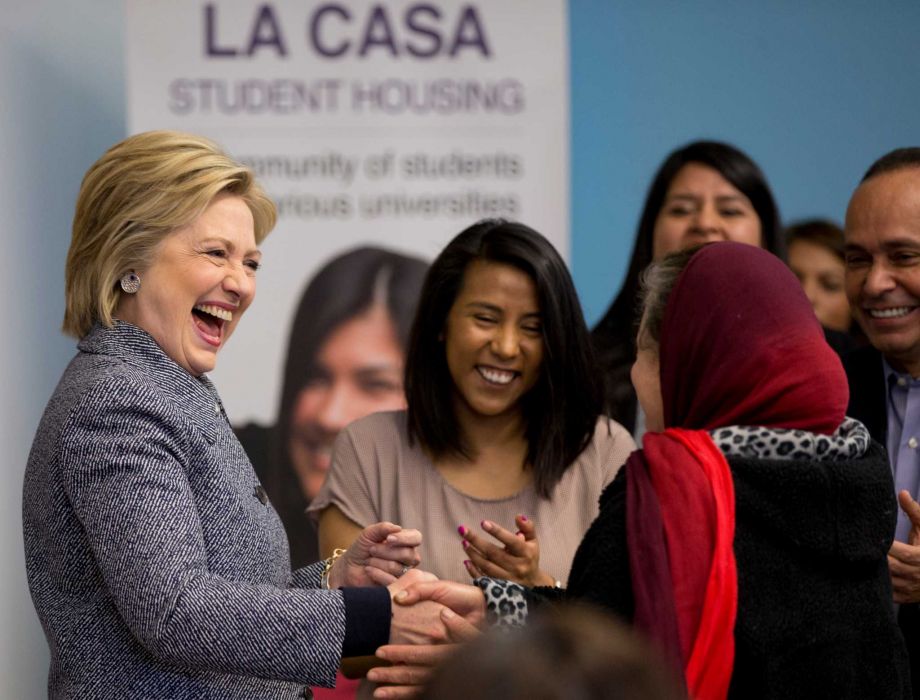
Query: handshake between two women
<point x="429" y="616"/>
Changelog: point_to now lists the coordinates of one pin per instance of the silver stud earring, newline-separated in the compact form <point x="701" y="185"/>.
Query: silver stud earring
<point x="130" y="283"/>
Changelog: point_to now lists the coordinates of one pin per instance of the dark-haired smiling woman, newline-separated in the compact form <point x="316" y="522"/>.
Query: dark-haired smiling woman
<point x="703" y="192"/>
<point x="504" y="427"/>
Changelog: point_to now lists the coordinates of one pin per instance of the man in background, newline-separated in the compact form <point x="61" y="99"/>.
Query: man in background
<point x="882" y="253"/>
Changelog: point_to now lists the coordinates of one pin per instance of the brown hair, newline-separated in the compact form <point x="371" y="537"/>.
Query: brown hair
<point x="820" y="232"/>
<point x="564" y="652"/>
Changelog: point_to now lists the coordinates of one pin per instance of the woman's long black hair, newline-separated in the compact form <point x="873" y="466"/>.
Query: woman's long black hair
<point x="614" y="335"/>
<point x="561" y="410"/>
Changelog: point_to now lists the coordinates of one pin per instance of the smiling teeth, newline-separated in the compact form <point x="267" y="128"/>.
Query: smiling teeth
<point x="496" y="376"/>
<point x="215" y="311"/>
<point x="890" y="313"/>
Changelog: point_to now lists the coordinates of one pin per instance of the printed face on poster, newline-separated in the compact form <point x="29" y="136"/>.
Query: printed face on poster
<point x="388" y="125"/>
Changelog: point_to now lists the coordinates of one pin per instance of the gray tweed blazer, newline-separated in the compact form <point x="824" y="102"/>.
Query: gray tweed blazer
<point x="156" y="564"/>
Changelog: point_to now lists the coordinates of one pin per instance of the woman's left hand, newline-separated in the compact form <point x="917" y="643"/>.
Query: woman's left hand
<point x="411" y="665"/>
<point x="379" y="555"/>
<point x="518" y="559"/>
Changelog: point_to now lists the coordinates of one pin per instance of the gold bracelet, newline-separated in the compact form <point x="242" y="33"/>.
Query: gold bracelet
<point x="327" y="568"/>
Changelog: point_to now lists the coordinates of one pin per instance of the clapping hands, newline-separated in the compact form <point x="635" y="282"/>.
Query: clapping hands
<point x="516" y="557"/>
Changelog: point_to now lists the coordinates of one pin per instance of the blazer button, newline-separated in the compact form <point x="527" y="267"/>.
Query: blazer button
<point x="263" y="499"/>
<point x="308" y="693"/>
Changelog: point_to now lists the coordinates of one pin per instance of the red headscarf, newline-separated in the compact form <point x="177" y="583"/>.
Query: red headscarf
<point x="740" y="345"/>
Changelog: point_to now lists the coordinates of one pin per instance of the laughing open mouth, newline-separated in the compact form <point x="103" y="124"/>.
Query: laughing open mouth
<point x="210" y="320"/>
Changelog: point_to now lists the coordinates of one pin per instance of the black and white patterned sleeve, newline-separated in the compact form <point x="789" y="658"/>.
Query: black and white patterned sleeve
<point x="506" y="602"/>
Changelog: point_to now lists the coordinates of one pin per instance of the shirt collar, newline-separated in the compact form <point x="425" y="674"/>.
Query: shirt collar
<point x="895" y="378"/>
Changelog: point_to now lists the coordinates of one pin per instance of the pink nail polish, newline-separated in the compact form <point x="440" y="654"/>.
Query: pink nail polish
<point x="486" y="525"/>
<point x="465" y="543"/>
<point x="462" y="530"/>
<point x="524" y="518"/>
<point x="467" y="563"/>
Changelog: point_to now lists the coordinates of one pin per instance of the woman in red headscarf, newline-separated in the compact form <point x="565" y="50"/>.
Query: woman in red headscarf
<point x="748" y="538"/>
<point x="757" y="517"/>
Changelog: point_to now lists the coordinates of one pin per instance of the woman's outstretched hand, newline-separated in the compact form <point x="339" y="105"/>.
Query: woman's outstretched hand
<point x="379" y="555"/>
<point x="516" y="558"/>
<point x="461" y="610"/>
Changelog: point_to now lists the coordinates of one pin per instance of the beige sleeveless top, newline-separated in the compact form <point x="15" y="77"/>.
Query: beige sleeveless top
<point x="376" y="475"/>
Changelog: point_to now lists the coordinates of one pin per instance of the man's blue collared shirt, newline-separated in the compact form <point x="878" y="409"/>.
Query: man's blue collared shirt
<point x="904" y="438"/>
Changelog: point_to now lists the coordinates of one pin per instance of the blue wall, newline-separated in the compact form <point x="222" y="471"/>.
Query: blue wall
<point x="62" y="101"/>
<point x="813" y="91"/>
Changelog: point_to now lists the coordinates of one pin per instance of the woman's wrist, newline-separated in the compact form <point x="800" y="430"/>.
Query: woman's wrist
<point x="330" y="578"/>
<point x="505" y="601"/>
<point x="368" y="614"/>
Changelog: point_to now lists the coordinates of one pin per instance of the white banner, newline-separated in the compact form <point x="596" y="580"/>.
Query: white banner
<point x="394" y="123"/>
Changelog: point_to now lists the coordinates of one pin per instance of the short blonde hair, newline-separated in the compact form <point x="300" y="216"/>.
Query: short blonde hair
<point x="138" y="192"/>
